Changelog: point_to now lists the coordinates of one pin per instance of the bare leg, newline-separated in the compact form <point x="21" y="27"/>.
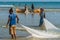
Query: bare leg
<point x="14" y="31"/>
<point x="12" y="36"/>
<point x="15" y="36"/>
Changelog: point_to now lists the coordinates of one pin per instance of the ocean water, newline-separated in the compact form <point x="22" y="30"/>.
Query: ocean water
<point x="48" y="5"/>
<point x="29" y="20"/>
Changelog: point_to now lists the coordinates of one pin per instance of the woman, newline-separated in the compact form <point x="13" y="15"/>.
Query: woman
<point x="12" y="23"/>
<point x="42" y="16"/>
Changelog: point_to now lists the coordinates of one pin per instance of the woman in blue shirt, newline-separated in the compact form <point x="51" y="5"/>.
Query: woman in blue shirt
<point x="12" y="23"/>
<point x="42" y="16"/>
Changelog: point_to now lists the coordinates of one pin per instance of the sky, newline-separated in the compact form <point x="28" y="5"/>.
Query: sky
<point x="30" y="0"/>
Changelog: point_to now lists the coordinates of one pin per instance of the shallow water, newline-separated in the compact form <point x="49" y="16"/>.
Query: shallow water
<point x="30" y="20"/>
<point x="21" y="35"/>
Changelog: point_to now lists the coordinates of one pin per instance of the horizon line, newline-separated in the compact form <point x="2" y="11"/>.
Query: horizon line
<point x="29" y="1"/>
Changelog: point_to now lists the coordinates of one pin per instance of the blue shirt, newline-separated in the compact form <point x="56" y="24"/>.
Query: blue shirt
<point x="12" y="19"/>
<point x="41" y="18"/>
<point x="42" y="15"/>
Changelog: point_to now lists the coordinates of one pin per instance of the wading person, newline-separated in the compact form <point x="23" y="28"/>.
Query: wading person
<point x="12" y="23"/>
<point x="42" y="16"/>
<point x="32" y="7"/>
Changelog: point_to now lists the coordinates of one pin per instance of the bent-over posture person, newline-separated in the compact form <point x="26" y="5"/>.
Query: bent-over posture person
<point x="12" y="23"/>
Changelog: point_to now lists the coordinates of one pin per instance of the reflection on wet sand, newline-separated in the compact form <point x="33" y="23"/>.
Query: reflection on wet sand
<point x="32" y="38"/>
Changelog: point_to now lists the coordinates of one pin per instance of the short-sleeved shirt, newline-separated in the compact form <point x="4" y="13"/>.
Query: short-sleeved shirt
<point x="42" y="15"/>
<point x="12" y="19"/>
<point x="41" y="18"/>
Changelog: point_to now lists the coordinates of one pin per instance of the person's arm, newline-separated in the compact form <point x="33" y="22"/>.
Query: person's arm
<point x="7" y="22"/>
<point x="17" y="19"/>
<point x="44" y="15"/>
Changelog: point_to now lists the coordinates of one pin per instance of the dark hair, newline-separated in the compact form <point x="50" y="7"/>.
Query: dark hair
<point x="42" y="9"/>
<point x="11" y="10"/>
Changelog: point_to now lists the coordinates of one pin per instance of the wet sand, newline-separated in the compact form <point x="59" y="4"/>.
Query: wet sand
<point x="31" y="38"/>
